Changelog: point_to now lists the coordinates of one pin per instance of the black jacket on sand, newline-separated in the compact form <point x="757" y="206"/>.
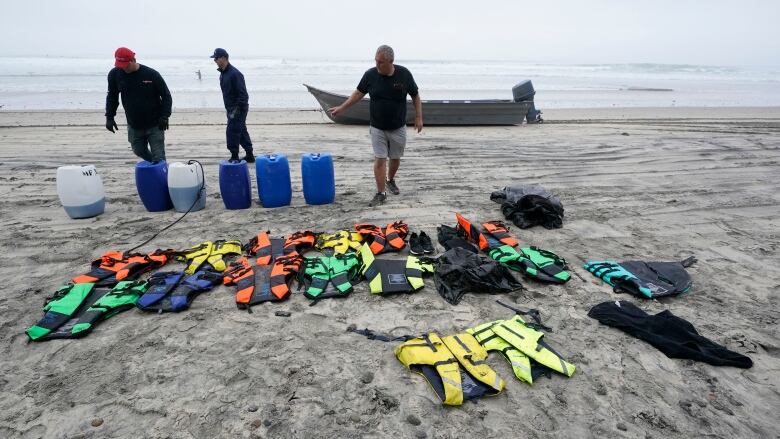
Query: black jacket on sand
<point x="675" y="337"/>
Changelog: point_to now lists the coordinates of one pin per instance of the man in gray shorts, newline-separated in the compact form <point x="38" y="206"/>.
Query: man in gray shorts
<point x="387" y="85"/>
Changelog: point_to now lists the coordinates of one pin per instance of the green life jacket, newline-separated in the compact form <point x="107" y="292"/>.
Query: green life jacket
<point x="529" y="341"/>
<point x="521" y="364"/>
<point x="533" y="262"/>
<point x="329" y="276"/>
<point x="75" y="309"/>
<point x="387" y="276"/>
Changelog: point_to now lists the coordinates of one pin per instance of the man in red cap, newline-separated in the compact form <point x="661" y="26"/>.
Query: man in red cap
<point x="147" y="103"/>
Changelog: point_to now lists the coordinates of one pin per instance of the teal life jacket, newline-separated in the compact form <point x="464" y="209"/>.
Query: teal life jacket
<point x="645" y="279"/>
<point x="532" y="262"/>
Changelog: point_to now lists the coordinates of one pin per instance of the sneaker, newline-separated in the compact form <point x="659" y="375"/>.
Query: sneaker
<point x="426" y="244"/>
<point x="250" y="158"/>
<point x="392" y="187"/>
<point x="415" y="246"/>
<point x="378" y="199"/>
<point x="233" y="158"/>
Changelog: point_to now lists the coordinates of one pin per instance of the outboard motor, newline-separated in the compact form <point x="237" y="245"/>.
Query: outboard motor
<point x="524" y="91"/>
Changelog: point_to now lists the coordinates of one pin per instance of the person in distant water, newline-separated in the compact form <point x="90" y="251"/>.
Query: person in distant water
<point x="147" y="103"/>
<point x="198" y="74"/>
<point x="236" y="100"/>
<point x="387" y="85"/>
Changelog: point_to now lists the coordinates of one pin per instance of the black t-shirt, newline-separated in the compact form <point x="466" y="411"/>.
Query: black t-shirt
<point x="388" y="96"/>
<point x="145" y="97"/>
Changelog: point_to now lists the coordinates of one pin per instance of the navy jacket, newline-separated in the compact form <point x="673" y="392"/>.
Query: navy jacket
<point x="234" y="92"/>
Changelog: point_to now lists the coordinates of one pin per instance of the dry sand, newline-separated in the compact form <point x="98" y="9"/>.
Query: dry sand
<point x="655" y="184"/>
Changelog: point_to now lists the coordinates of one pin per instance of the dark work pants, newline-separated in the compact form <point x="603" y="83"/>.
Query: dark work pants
<point x="237" y="134"/>
<point x="148" y="144"/>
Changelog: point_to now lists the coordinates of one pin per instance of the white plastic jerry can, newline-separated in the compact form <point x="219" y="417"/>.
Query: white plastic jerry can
<point x="185" y="182"/>
<point x="81" y="192"/>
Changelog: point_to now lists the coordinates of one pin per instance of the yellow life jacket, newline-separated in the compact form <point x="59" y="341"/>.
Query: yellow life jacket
<point x="454" y="366"/>
<point x="529" y="341"/>
<point x="341" y="242"/>
<point x="211" y="252"/>
<point x="521" y="364"/>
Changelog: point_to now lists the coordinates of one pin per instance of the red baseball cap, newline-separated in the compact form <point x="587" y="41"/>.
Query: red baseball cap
<point x="123" y="56"/>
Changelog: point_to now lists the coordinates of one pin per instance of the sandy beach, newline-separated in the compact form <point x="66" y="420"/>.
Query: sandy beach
<point x="650" y="184"/>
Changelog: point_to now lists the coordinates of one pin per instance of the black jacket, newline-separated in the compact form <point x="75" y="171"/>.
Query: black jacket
<point x="234" y="92"/>
<point x="145" y="97"/>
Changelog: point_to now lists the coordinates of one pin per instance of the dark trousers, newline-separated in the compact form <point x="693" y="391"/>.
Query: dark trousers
<point x="148" y="144"/>
<point x="237" y="134"/>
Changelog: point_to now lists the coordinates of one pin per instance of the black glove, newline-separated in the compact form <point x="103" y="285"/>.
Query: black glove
<point x="163" y="124"/>
<point x="111" y="124"/>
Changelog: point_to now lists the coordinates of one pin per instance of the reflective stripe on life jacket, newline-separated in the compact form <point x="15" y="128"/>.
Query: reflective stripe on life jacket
<point x="501" y="232"/>
<point x="471" y="233"/>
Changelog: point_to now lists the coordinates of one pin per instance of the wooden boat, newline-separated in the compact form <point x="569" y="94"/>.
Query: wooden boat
<point x="438" y="112"/>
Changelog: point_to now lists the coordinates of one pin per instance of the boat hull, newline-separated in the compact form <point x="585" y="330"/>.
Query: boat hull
<point x="439" y="112"/>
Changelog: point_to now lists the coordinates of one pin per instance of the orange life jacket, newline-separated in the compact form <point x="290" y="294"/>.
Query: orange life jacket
<point x="282" y="272"/>
<point x="395" y="234"/>
<point x="116" y="266"/>
<point x="266" y="248"/>
<point x="501" y="232"/>
<point x="374" y="236"/>
<point x="471" y="233"/>
<point x="299" y="242"/>
<point x="253" y="284"/>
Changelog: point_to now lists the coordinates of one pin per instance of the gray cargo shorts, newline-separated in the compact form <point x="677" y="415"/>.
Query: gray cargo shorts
<point x="388" y="143"/>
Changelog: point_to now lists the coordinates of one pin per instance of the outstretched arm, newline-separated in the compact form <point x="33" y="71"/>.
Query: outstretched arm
<point x="351" y="100"/>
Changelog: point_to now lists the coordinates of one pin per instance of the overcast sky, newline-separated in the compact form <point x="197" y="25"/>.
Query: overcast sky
<point x="716" y="32"/>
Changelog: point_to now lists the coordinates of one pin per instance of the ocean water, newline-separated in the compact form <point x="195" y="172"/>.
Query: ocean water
<point x="80" y="83"/>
